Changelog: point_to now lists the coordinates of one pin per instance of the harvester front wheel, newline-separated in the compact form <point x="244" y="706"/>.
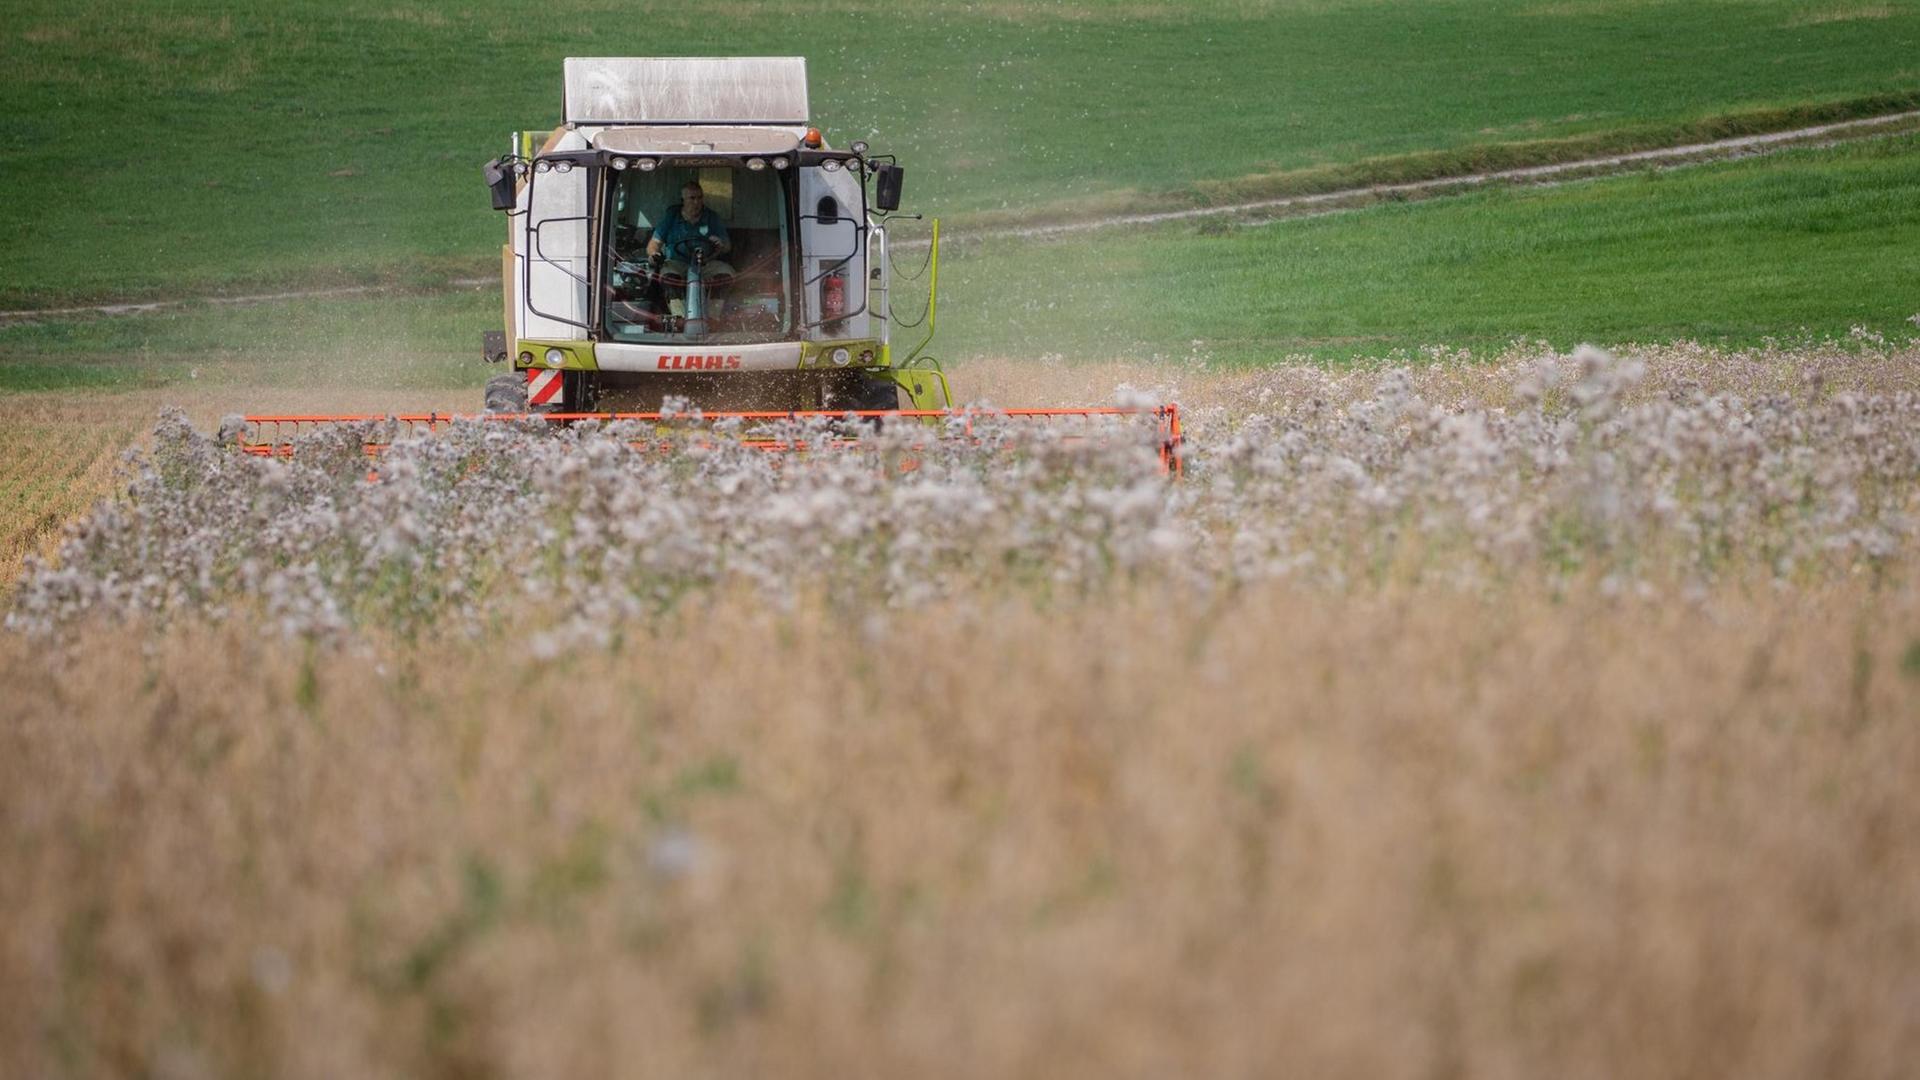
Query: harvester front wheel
<point x="880" y="394"/>
<point x="857" y="390"/>
<point x="507" y="393"/>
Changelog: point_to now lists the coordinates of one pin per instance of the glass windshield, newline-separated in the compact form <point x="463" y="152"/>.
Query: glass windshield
<point x="697" y="254"/>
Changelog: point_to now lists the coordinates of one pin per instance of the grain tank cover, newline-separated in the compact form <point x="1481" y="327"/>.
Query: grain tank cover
<point x="686" y="90"/>
<point x="679" y="139"/>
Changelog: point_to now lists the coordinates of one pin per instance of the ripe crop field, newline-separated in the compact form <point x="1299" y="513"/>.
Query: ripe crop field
<point x="59" y="460"/>
<point x="75" y="394"/>
<point x="1554" y="713"/>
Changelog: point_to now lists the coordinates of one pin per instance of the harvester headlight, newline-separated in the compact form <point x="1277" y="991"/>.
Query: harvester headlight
<point x="556" y="358"/>
<point x="755" y="164"/>
<point x="543" y="166"/>
<point x="831" y="164"/>
<point x="520" y="169"/>
<point x="526" y="359"/>
<point x="619" y="163"/>
<point x="779" y="163"/>
<point x="859" y="147"/>
<point x="840" y="356"/>
<point x="645" y="164"/>
<point x="866" y="356"/>
<point x="563" y="166"/>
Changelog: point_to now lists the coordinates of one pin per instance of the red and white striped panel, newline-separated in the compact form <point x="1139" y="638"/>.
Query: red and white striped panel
<point x="543" y="387"/>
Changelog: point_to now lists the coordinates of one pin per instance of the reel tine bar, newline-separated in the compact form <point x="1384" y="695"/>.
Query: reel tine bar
<point x="278" y="435"/>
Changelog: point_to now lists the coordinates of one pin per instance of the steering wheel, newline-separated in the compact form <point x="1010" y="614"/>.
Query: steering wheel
<point x="691" y="249"/>
<point x="695" y="250"/>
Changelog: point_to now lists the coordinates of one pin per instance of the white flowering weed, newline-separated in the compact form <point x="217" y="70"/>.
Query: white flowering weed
<point x="1637" y="469"/>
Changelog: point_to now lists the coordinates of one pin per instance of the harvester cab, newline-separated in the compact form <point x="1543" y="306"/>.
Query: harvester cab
<point x="686" y="232"/>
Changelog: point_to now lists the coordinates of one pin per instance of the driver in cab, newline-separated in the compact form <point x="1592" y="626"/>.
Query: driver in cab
<point x="694" y="229"/>
<point x="692" y="234"/>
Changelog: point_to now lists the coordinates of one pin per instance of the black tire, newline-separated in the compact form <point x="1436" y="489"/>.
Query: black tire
<point x="581" y="389"/>
<point x="880" y="394"/>
<point x="507" y="393"/>
<point x="859" y="391"/>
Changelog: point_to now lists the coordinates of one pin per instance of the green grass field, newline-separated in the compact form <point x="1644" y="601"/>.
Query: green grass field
<point x="156" y="149"/>
<point x="1810" y="243"/>
<point x="411" y="342"/>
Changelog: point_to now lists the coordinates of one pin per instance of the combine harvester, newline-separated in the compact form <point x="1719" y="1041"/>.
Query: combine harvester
<point x="686" y="248"/>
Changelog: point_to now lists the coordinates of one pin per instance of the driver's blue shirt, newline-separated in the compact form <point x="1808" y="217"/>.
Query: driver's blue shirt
<point x="677" y="228"/>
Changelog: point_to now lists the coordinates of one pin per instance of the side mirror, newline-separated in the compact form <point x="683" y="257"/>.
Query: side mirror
<point x="886" y="186"/>
<point x="499" y="174"/>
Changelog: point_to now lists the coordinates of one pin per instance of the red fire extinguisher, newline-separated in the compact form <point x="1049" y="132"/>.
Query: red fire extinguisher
<point x="833" y="295"/>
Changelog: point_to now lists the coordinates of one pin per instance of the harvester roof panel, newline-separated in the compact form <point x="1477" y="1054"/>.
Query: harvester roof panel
<point x="697" y="140"/>
<point x="686" y="90"/>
